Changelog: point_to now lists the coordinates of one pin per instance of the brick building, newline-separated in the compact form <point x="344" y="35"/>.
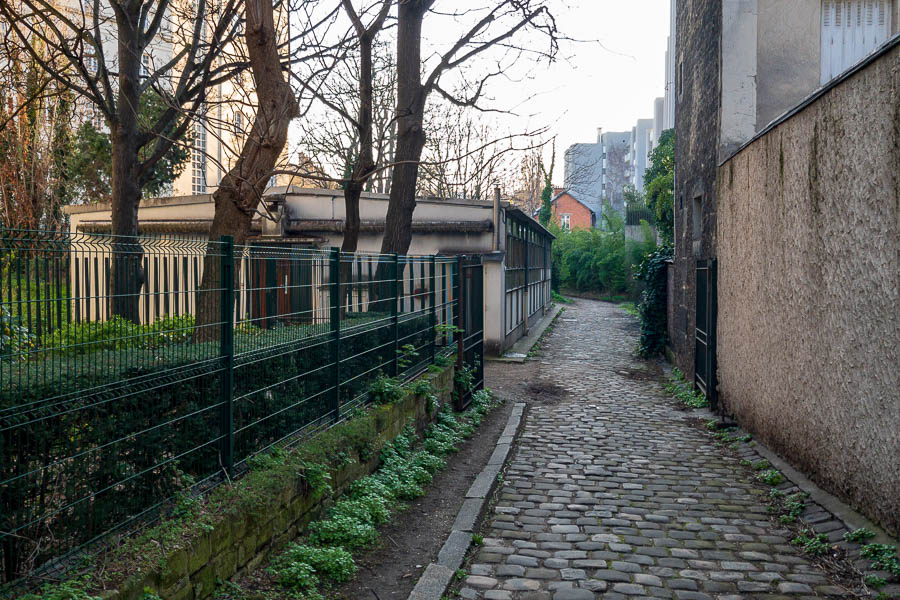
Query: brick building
<point x="571" y="213"/>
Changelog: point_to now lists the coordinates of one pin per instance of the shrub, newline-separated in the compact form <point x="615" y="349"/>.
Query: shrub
<point x="652" y="307"/>
<point x="599" y="259"/>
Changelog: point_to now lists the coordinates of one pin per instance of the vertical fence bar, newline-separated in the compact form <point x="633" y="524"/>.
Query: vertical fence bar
<point x="460" y="327"/>
<point x="395" y="324"/>
<point x="433" y="297"/>
<point x="334" y="274"/>
<point x="226" y="341"/>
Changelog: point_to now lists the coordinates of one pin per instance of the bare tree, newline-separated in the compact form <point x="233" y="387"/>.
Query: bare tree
<point x="363" y="165"/>
<point x="113" y="52"/>
<point x="495" y="28"/>
<point x="35" y="136"/>
<point x="467" y="154"/>
<point x="330" y="135"/>
<point x="529" y="181"/>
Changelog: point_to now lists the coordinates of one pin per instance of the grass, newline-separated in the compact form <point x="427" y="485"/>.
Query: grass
<point x="630" y="308"/>
<point x="557" y="297"/>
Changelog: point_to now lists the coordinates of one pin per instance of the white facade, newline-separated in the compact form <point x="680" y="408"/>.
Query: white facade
<point x="851" y="29"/>
<point x="668" y="116"/>
<point x="641" y="144"/>
<point x="775" y="53"/>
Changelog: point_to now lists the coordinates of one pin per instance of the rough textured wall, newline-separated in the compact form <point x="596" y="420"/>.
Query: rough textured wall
<point x="696" y="133"/>
<point x="809" y="310"/>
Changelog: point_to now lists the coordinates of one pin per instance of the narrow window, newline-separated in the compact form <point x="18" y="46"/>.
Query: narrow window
<point x="198" y="159"/>
<point x="564" y="222"/>
<point x="697" y="217"/>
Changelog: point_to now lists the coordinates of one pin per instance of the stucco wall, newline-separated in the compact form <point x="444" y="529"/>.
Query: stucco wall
<point x="809" y="312"/>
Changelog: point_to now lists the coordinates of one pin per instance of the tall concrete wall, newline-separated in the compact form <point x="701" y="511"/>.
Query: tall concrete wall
<point x="808" y="230"/>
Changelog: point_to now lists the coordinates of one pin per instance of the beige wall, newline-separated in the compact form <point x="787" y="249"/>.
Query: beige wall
<point x="328" y="205"/>
<point x="809" y="311"/>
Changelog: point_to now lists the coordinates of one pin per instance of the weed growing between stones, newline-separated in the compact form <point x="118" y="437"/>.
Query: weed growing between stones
<point x="324" y="557"/>
<point x="681" y="391"/>
<point x="816" y="545"/>
<point x="883" y="557"/>
<point x="858" y="536"/>
<point x="771" y="477"/>
<point x="836" y="559"/>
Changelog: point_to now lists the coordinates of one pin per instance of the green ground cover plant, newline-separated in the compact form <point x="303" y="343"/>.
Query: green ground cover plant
<point x="324" y="557"/>
<point x="810" y="543"/>
<point x="682" y="391"/>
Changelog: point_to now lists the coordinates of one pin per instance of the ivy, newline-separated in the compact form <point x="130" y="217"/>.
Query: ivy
<point x="652" y="307"/>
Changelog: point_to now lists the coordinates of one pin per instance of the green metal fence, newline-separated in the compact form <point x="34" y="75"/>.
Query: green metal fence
<point x="227" y="350"/>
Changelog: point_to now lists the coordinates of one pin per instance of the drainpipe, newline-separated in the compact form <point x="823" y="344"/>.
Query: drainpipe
<point x="495" y="245"/>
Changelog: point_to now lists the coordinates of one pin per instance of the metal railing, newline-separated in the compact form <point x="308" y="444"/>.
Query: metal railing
<point x="223" y="351"/>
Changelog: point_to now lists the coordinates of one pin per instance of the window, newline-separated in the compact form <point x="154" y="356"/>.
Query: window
<point x="564" y="221"/>
<point x="238" y="124"/>
<point x="697" y="217"/>
<point x="146" y="66"/>
<point x="851" y="29"/>
<point x="198" y="159"/>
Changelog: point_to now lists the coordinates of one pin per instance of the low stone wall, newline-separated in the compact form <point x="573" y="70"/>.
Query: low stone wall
<point x="809" y="288"/>
<point x="240" y="543"/>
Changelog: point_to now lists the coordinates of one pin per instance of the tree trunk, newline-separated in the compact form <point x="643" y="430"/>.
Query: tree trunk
<point x="410" y="131"/>
<point x="240" y="191"/>
<point x="126" y="273"/>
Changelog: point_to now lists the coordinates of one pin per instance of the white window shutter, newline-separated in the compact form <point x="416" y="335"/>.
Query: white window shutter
<point x="851" y="29"/>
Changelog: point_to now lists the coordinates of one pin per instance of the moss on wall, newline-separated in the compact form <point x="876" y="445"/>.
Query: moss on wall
<point x="241" y="538"/>
<point x="809" y="288"/>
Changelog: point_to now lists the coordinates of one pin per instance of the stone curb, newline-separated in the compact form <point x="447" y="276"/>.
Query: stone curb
<point x="438" y="575"/>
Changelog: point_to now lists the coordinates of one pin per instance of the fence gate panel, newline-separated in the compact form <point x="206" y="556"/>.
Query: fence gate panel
<point x="471" y="322"/>
<point x="705" y="332"/>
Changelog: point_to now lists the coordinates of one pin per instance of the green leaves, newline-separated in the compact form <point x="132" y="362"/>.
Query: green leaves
<point x="652" y="307"/>
<point x="659" y="187"/>
<point x="89" y="165"/>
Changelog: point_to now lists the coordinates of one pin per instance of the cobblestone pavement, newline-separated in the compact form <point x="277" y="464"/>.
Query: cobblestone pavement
<point x="611" y="493"/>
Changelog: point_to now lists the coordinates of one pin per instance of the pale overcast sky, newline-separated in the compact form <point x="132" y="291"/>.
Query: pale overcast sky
<point x="609" y="84"/>
<point x="607" y="80"/>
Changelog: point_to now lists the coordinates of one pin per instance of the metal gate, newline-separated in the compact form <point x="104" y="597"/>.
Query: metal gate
<point x="470" y="321"/>
<point x="705" y="332"/>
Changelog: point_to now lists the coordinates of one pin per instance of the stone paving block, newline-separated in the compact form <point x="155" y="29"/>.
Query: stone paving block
<point x="610" y="493"/>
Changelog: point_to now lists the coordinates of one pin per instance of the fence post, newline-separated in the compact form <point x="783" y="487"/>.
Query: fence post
<point x="335" y="300"/>
<point x="432" y="284"/>
<point x="460" y="303"/>
<point x="395" y="295"/>
<point x="226" y="342"/>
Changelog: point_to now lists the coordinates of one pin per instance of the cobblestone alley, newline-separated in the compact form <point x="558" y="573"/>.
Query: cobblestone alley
<point x="611" y="492"/>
